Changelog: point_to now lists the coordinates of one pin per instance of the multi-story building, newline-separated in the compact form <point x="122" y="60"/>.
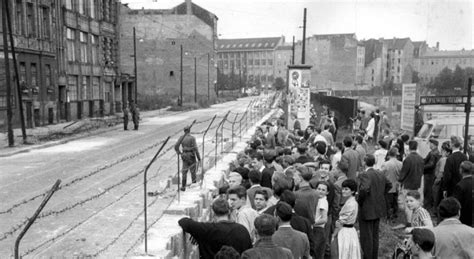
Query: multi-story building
<point x="432" y="62"/>
<point x="398" y="65"/>
<point x="337" y="61"/>
<point x="160" y="33"/>
<point x="88" y="62"/>
<point x="253" y="59"/>
<point x="283" y="56"/>
<point x="34" y="25"/>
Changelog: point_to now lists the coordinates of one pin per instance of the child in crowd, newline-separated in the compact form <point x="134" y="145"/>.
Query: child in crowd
<point x="420" y="217"/>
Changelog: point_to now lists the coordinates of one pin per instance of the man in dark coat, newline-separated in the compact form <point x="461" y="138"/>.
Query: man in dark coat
<point x="211" y="236"/>
<point x="135" y="114"/>
<point x="463" y="193"/>
<point x="429" y="173"/>
<point x="451" y="174"/>
<point x="188" y="154"/>
<point x="126" y="114"/>
<point x="373" y="186"/>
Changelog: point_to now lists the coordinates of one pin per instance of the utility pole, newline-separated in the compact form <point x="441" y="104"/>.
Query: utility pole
<point x="135" y="65"/>
<point x="304" y="38"/>
<point x="11" y="140"/>
<point x="195" y="80"/>
<point x="208" y="73"/>
<point x="181" y="77"/>
<point x="468" y="113"/>
<point x="293" y="52"/>
<point x="18" y="88"/>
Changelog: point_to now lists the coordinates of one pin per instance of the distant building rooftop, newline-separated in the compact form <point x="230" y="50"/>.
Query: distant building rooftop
<point x="448" y="53"/>
<point x="248" y="44"/>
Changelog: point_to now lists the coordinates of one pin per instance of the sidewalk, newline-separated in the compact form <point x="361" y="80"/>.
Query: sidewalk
<point x="60" y="133"/>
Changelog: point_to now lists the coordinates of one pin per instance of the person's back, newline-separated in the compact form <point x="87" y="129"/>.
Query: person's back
<point x="286" y="236"/>
<point x="212" y="236"/>
<point x="453" y="239"/>
<point x="265" y="248"/>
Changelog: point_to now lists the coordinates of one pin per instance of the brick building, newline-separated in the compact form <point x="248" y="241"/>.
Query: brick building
<point x="159" y="35"/>
<point x="34" y="25"/>
<point x="337" y="60"/>
<point x="88" y="62"/>
<point x="253" y="59"/>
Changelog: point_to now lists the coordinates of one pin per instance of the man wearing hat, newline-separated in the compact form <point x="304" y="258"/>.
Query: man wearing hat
<point x="189" y="152"/>
<point x="429" y="173"/>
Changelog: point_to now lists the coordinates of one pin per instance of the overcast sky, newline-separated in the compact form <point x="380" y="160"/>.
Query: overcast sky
<point x="448" y="22"/>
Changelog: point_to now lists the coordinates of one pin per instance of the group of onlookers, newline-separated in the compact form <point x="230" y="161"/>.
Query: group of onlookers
<point x="303" y="194"/>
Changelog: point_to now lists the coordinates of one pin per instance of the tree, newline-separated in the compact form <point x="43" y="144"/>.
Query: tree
<point x="279" y="83"/>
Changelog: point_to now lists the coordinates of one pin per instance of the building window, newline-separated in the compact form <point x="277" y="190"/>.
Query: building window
<point x="34" y="75"/>
<point x="85" y="90"/>
<point x="95" y="88"/>
<point x="92" y="9"/>
<point x="22" y="73"/>
<point x="30" y="18"/>
<point x="270" y="62"/>
<point x="68" y="4"/>
<point x="83" y="40"/>
<point x="81" y="6"/>
<point x="46" y="26"/>
<point x="72" y="88"/>
<point x="398" y="69"/>
<point x="171" y="73"/>
<point x="94" y="49"/>
<point x="19" y="25"/>
<point x="47" y="75"/>
<point x="107" y="87"/>
<point x="257" y="62"/>
<point x="264" y="62"/>
<point x="71" y="50"/>
<point x="250" y="62"/>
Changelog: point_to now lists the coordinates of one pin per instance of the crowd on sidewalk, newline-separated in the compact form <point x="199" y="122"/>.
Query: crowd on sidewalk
<point x="303" y="194"/>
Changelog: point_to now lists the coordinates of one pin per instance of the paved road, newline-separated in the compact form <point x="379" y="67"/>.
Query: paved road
<point x="98" y="210"/>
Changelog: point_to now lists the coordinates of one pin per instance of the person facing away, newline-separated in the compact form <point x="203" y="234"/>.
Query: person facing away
<point x="265" y="248"/>
<point x="350" y="159"/>
<point x="189" y="152"/>
<point x="135" y="114"/>
<point x="463" y="192"/>
<point x="372" y="189"/>
<point x="453" y="239"/>
<point x="212" y="236"/>
<point x="126" y="115"/>
<point x="288" y="237"/>
<point x="421" y="243"/>
<point x="451" y="174"/>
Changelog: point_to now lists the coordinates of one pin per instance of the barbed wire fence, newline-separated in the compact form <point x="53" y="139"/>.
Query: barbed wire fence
<point x="231" y="124"/>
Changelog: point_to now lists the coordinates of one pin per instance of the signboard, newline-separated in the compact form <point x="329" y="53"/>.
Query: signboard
<point x="408" y="107"/>
<point x="430" y="100"/>
<point x="298" y="97"/>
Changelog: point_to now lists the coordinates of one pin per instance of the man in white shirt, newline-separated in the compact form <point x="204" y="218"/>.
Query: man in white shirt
<point x="321" y="218"/>
<point x="241" y="212"/>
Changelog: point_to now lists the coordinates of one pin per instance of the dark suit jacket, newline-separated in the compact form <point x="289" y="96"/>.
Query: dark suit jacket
<point x="430" y="161"/>
<point x="451" y="174"/>
<point x="412" y="171"/>
<point x="267" y="174"/>
<point x="373" y="186"/>
<point x="463" y="192"/>
<point x="212" y="236"/>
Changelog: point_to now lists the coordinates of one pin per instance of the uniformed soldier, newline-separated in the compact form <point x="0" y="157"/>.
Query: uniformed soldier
<point x="125" y="117"/>
<point x="135" y="114"/>
<point x="189" y="152"/>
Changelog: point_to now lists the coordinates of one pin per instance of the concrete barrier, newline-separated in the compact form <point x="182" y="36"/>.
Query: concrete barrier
<point x="166" y="239"/>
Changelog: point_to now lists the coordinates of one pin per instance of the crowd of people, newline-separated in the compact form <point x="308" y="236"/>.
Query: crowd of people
<point x="297" y="193"/>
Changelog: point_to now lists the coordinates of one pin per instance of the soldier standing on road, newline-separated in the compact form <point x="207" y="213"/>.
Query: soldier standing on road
<point x="189" y="152"/>
<point x="135" y="115"/>
<point x="125" y="117"/>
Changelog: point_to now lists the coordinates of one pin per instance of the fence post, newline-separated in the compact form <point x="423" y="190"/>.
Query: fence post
<point x="217" y="129"/>
<point x="202" y="157"/>
<point x="235" y="119"/>
<point x="35" y="215"/>
<point x="240" y="126"/>
<point x="145" y="192"/>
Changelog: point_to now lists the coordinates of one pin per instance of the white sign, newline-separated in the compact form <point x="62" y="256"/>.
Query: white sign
<point x="408" y="107"/>
<point x="299" y="96"/>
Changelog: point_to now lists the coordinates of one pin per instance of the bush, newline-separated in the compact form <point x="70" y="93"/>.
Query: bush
<point x="185" y="107"/>
<point x="154" y="101"/>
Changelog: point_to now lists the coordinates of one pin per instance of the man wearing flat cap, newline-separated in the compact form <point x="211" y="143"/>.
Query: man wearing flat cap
<point x="189" y="152"/>
<point x="429" y="173"/>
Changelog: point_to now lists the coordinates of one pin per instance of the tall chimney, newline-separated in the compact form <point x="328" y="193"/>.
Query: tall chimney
<point x="189" y="8"/>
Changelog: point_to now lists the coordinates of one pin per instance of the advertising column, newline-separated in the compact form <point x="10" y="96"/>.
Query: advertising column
<point x="298" y="95"/>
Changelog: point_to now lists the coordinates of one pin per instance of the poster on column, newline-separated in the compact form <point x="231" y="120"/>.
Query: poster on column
<point x="299" y="82"/>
